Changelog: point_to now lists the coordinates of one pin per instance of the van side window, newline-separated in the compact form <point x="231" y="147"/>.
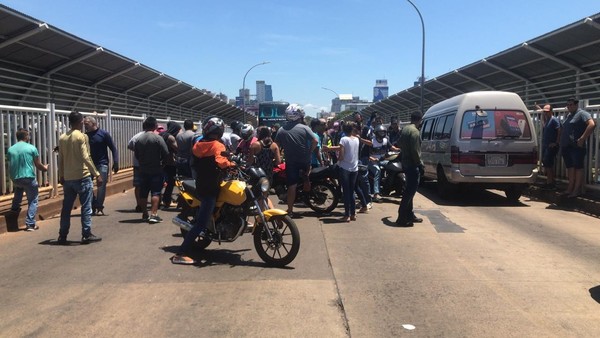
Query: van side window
<point x="439" y="128"/>
<point x="426" y="129"/>
<point x="447" y="132"/>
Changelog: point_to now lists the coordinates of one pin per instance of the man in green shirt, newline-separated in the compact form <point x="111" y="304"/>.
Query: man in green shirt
<point x="23" y="159"/>
<point x="410" y="145"/>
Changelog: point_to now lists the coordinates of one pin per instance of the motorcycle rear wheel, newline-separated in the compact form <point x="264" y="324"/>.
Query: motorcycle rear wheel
<point x="284" y="245"/>
<point x="322" y="197"/>
<point x="200" y="242"/>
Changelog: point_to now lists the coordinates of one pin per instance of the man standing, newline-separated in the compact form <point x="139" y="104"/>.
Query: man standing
<point x="298" y="143"/>
<point x="22" y="157"/>
<point x="100" y="141"/>
<point x="75" y="172"/>
<point x="575" y="131"/>
<point x="550" y="142"/>
<point x="410" y="144"/>
<point x="184" y="149"/>
<point x="151" y="151"/>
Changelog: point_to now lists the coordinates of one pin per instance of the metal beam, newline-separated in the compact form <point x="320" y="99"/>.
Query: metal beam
<point x="144" y="83"/>
<point x="552" y="57"/>
<point x="457" y="72"/>
<point x="73" y="61"/>
<point x="165" y="89"/>
<point x="40" y="28"/>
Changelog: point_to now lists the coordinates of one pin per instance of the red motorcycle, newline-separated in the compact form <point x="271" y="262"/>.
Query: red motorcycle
<point x="325" y="191"/>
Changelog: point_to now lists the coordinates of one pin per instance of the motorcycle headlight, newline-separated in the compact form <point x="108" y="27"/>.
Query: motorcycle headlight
<point x="264" y="184"/>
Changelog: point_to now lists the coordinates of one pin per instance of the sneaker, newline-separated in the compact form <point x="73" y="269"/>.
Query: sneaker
<point x="90" y="239"/>
<point x="145" y="216"/>
<point x="363" y="210"/>
<point x="370" y="205"/>
<point x="31" y="228"/>
<point x="377" y="198"/>
<point x="417" y="220"/>
<point x="100" y="212"/>
<point x="154" y="219"/>
<point x="62" y="240"/>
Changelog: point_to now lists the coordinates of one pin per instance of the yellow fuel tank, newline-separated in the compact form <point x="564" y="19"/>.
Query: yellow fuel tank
<point x="232" y="192"/>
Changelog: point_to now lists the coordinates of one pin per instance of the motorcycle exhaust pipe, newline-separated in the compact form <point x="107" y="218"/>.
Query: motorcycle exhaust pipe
<point x="187" y="226"/>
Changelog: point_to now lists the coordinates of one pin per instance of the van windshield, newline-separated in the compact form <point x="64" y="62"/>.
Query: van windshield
<point x="495" y="124"/>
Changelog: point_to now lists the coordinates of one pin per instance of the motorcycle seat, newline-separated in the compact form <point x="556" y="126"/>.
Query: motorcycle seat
<point x="324" y="172"/>
<point x="189" y="186"/>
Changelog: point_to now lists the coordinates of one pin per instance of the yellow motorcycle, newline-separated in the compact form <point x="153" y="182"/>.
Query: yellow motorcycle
<point x="242" y="195"/>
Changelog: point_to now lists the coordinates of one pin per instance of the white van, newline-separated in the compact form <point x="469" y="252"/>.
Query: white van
<point x="484" y="139"/>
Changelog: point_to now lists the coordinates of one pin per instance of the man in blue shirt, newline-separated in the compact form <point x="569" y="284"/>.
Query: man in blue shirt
<point x="100" y="141"/>
<point x="22" y="158"/>
<point x="550" y="142"/>
<point x="576" y="129"/>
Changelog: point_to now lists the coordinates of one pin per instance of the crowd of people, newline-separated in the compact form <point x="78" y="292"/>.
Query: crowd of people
<point x="358" y="149"/>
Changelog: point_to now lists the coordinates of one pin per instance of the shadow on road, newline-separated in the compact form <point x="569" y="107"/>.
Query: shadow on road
<point x="468" y="197"/>
<point x="220" y="256"/>
<point x="595" y="293"/>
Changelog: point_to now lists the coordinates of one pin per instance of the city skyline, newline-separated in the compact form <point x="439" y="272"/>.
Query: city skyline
<point x="315" y="47"/>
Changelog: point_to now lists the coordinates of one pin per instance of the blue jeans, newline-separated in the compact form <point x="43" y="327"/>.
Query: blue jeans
<point x="207" y="205"/>
<point x="28" y="185"/>
<point x="375" y="168"/>
<point x="363" y="185"/>
<point x="348" y="183"/>
<point x="85" y="189"/>
<point x="98" y="201"/>
<point x="405" y="211"/>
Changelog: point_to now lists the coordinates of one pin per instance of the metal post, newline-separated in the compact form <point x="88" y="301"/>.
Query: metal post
<point x="244" y="87"/>
<point x="422" y="54"/>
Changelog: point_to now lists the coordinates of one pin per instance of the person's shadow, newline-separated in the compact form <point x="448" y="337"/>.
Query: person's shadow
<point x="595" y="293"/>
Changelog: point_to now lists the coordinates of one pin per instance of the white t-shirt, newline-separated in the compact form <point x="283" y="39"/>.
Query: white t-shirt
<point x="350" y="160"/>
<point x="231" y="141"/>
<point x="379" y="148"/>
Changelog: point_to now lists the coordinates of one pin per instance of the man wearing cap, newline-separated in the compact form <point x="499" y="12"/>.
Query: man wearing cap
<point x="410" y="144"/>
<point x="576" y="129"/>
<point x="550" y="142"/>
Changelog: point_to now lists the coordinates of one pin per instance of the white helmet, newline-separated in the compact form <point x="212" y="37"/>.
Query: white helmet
<point x="247" y="131"/>
<point x="294" y="112"/>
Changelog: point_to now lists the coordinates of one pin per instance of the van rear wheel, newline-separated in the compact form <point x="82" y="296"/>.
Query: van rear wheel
<point x="513" y="194"/>
<point x="444" y="188"/>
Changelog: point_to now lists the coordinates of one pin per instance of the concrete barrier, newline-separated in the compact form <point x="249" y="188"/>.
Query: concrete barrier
<point x="50" y="207"/>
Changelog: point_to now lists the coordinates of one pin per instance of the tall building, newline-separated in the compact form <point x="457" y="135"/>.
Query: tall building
<point x="380" y="91"/>
<point x="245" y="94"/>
<point x="268" y="93"/>
<point x="260" y="91"/>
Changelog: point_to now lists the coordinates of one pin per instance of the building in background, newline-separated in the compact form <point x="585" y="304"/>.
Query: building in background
<point x="260" y="91"/>
<point x="380" y="91"/>
<point x="268" y="93"/>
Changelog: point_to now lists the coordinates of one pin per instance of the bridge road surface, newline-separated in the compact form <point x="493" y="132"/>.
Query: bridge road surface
<point x="476" y="267"/>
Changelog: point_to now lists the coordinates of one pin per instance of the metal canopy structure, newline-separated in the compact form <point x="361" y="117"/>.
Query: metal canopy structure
<point x="548" y="69"/>
<point x="40" y="63"/>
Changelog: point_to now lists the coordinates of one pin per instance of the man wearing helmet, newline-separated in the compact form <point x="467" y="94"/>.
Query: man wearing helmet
<point x="298" y="143"/>
<point x="247" y="139"/>
<point x="208" y="161"/>
<point x="379" y="145"/>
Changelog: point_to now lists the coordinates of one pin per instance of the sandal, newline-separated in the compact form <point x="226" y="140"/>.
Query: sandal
<point x="183" y="260"/>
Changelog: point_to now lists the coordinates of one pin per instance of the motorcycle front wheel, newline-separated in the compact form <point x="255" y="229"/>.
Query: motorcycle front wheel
<point x="322" y="197"/>
<point x="284" y="243"/>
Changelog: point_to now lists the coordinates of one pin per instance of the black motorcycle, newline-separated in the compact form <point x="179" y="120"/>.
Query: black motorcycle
<point x="324" y="194"/>
<point x="392" y="175"/>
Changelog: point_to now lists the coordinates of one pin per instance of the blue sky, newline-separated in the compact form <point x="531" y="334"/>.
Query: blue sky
<point x="310" y="44"/>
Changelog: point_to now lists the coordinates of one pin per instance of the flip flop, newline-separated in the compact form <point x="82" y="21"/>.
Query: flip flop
<point x="183" y="260"/>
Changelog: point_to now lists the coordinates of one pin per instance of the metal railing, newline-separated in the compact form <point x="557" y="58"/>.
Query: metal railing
<point x="46" y="125"/>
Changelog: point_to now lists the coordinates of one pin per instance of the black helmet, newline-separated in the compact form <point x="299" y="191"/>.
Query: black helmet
<point x="380" y="131"/>
<point x="236" y="125"/>
<point x="213" y="127"/>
